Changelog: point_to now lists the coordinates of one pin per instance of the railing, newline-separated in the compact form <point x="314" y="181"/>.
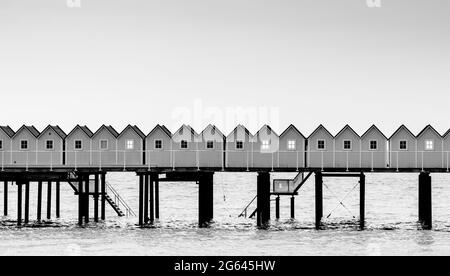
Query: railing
<point x="118" y="200"/>
<point x="244" y="212"/>
<point x="194" y="158"/>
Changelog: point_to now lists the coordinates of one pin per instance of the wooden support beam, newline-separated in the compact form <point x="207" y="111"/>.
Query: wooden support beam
<point x="263" y="199"/>
<point x="152" y="199"/>
<point x="141" y="200"/>
<point x="39" y="202"/>
<point x="156" y="177"/>
<point x="292" y="207"/>
<point x="103" y="203"/>
<point x="425" y="201"/>
<point x="362" y="201"/>
<point x="80" y="200"/>
<point x="205" y="199"/>
<point x="146" y="184"/>
<point x="5" y="198"/>
<point x="49" y="200"/>
<point x="319" y="199"/>
<point x="86" y="199"/>
<point x="19" y="203"/>
<point x="96" y="194"/>
<point x="27" y="202"/>
<point x="277" y="207"/>
<point x="58" y="199"/>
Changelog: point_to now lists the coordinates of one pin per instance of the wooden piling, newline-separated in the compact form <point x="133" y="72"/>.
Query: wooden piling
<point x="206" y="198"/>
<point x="141" y="200"/>
<point x="19" y="203"/>
<point x="58" y="199"/>
<point x="96" y="194"/>
<point x="103" y="203"/>
<point x="277" y="207"/>
<point x="156" y="177"/>
<point x="292" y="207"/>
<point x="152" y="199"/>
<point x="263" y="199"/>
<point x="27" y="202"/>
<point x="49" y="200"/>
<point x="39" y="202"/>
<point x="362" y="201"/>
<point x="319" y="199"/>
<point x="80" y="200"/>
<point x="86" y="199"/>
<point x="425" y="201"/>
<point x="5" y="198"/>
<point x="146" y="186"/>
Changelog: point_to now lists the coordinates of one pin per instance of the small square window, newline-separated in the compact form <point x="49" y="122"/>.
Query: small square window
<point x="429" y="145"/>
<point x="347" y="145"/>
<point x="184" y="144"/>
<point x="239" y="145"/>
<point x="210" y="144"/>
<point x="158" y="144"/>
<point x="78" y="144"/>
<point x="103" y="144"/>
<point x="130" y="144"/>
<point x="1" y="144"/>
<point x="321" y="144"/>
<point x="403" y="145"/>
<point x="24" y="144"/>
<point x="265" y="145"/>
<point x="373" y="145"/>
<point x="49" y="144"/>
<point x="292" y="145"/>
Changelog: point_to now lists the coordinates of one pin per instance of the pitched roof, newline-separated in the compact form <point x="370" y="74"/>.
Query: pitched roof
<point x="30" y="129"/>
<point x="189" y="128"/>
<point x="135" y="129"/>
<point x="110" y="129"/>
<point x="243" y="127"/>
<point x="268" y="127"/>
<point x="446" y="134"/>
<point x="318" y="128"/>
<point x="8" y="131"/>
<point x="347" y="127"/>
<point x="56" y="129"/>
<point x="426" y="128"/>
<point x="85" y="129"/>
<point x="163" y="128"/>
<point x="376" y="129"/>
<point x="294" y="128"/>
<point x="400" y="128"/>
<point x="214" y="128"/>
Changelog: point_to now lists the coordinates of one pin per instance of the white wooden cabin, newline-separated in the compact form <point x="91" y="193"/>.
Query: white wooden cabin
<point x="104" y="147"/>
<point x="292" y="149"/>
<point x="159" y="148"/>
<point x="79" y="147"/>
<point x="24" y="147"/>
<point x="265" y="148"/>
<point x="321" y="148"/>
<point x="185" y="148"/>
<point x="131" y="147"/>
<point x="51" y="147"/>
<point x="403" y="149"/>
<point x="347" y="145"/>
<point x="239" y="148"/>
<point x="6" y="135"/>
<point x="430" y="146"/>
<point x="374" y="149"/>
<point x="211" y="145"/>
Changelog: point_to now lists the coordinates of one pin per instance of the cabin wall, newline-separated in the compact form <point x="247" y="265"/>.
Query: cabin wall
<point x="24" y="157"/>
<point x="374" y="158"/>
<point x="347" y="158"/>
<point x="292" y="158"/>
<point x="430" y="158"/>
<point x="5" y="151"/>
<point x="104" y="157"/>
<point x="159" y="158"/>
<point x="239" y="158"/>
<point x="78" y="158"/>
<point x="211" y="158"/>
<point x="130" y="157"/>
<point x="403" y="158"/>
<point x="321" y="158"/>
<point x="50" y="157"/>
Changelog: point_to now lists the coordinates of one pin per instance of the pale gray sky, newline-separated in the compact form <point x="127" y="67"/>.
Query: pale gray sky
<point x="138" y="61"/>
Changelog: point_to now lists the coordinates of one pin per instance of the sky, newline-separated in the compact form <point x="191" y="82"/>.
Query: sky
<point x="280" y="62"/>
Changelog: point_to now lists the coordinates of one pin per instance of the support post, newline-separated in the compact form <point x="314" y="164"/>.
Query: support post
<point x="319" y="199"/>
<point x="152" y="199"/>
<point x="5" y="199"/>
<point x="80" y="200"/>
<point x="49" y="200"/>
<point x="292" y="207"/>
<point x="19" y="203"/>
<point x="27" y="202"/>
<point x="86" y="199"/>
<point x="206" y="198"/>
<point x="39" y="202"/>
<point x="103" y="187"/>
<point x="263" y="199"/>
<point x="362" y="201"/>
<point x="58" y="199"/>
<point x="141" y="200"/>
<point x="425" y="201"/>
<point x="277" y="207"/>
<point x="146" y="184"/>
<point x="156" y="177"/>
<point x="96" y="198"/>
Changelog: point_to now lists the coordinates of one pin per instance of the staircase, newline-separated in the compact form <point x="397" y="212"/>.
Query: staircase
<point x="116" y="201"/>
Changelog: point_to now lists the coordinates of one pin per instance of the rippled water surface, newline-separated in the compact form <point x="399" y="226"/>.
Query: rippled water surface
<point x="391" y="214"/>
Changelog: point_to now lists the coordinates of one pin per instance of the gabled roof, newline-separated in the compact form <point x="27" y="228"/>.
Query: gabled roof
<point x="30" y="129"/>
<point x="135" y="129"/>
<point x="268" y="127"/>
<point x="446" y="134"/>
<point x="215" y="129"/>
<point x="400" y="128"/>
<point x="243" y="127"/>
<point x="347" y="127"/>
<point x="8" y="131"/>
<point x="85" y="129"/>
<point x="110" y="129"/>
<point x="56" y="129"/>
<point x="373" y="127"/>
<point x="191" y="130"/>
<point x="294" y="128"/>
<point x="163" y="128"/>
<point x="319" y="128"/>
<point x="428" y="127"/>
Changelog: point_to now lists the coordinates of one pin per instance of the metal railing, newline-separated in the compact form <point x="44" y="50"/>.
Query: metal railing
<point x="119" y="201"/>
<point x="244" y="212"/>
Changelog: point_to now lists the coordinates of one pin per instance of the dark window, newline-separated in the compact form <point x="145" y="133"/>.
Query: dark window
<point x="239" y="145"/>
<point x="49" y="144"/>
<point x="184" y="144"/>
<point x="1" y="144"/>
<point x="347" y="145"/>
<point x="373" y="145"/>
<point x="158" y="144"/>
<point x="321" y="144"/>
<point x="210" y="144"/>
<point x="403" y="145"/>
<point x="24" y="145"/>
<point x="78" y="144"/>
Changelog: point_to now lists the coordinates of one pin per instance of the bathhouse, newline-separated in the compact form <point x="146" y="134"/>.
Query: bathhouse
<point x="347" y="145"/>
<point x="291" y="153"/>
<point x="6" y="135"/>
<point x="374" y="149"/>
<point x="265" y="148"/>
<point x="79" y="146"/>
<point x="104" y="147"/>
<point x="321" y="148"/>
<point x="185" y="148"/>
<point x="131" y="147"/>
<point x="403" y="149"/>
<point x="430" y="148"/>
<point x="446" y="149"/>
<point x="159" y="148"/>
<point x="24" y="146"/>
<point x="51" y="146"/>
<point x="211" y="148"/>
<point x="239" y="148"/>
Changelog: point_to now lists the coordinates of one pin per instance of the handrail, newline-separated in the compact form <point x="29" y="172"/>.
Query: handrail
<point x="244" y="212"/>
<point x="119" y="200"/>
